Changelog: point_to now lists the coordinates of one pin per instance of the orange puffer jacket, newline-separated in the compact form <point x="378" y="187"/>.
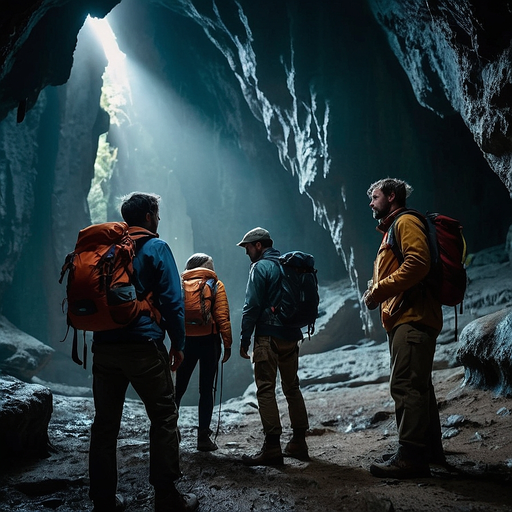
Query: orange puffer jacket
<point x="220" y="311"/>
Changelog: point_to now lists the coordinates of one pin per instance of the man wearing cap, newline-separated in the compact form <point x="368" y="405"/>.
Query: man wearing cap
<point x="275" y="348"/>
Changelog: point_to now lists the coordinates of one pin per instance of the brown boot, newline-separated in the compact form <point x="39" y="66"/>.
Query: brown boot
<point x="269" y="455"/>
<point x="297" y="448"/>
<point x="401" y="466"/>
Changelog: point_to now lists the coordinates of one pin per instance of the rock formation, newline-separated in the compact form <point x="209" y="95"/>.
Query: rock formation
<point x="457" y="56"/>
<point x="279" y="117"/>
<point x="486" y="352"/>
<point x="25" y="411"/>
<point x="21" y="355"/>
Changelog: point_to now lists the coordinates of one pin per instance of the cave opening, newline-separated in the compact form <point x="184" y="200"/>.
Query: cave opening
<point x="114" y="95"/>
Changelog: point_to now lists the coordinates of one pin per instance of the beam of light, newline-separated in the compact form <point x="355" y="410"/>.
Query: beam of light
<point x="116" y="58"/>
<point x="115" y="98"/>
<point x="116" y="87"/>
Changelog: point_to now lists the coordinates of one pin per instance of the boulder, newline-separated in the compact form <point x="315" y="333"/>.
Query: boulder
<point x="486" y="352"/>
<point x="21" y="355"/>
<point x="25" y="412"/>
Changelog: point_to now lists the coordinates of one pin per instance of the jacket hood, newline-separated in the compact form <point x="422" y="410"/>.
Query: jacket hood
<point x="199" y="273"/>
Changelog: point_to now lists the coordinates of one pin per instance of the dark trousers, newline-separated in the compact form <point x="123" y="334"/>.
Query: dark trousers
<point x="147" y="369"/>
<point x="206" y="350"/>
<point x="417" y="416"/>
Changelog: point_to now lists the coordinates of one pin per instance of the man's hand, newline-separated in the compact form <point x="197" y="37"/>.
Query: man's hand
<point x="176" y="358"/>
<point x="367" y="299"/>
<point x="227" y="355"/>
<point x="243" y="352"/>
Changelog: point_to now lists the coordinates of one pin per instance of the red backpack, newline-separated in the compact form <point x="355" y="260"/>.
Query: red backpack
<point x="447" y="277"/>
<point x="100" y="294"/>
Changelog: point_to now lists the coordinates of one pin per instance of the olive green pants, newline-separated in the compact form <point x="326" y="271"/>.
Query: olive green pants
<point x="270" y="355"/>
<point x="417" y="416"/>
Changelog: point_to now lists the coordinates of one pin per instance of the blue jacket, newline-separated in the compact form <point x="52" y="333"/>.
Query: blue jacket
<point x="263" y="292"/>
<point x="155" y="270"/>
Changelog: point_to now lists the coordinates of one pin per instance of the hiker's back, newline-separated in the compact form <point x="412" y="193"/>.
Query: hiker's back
<point x="199" y="294"/>
<point x="299" y="300"/>
<point x="289" y="287"/>
<point x="447" y="277"/>
<point x="101" y="292"/>
<point x="147" y="279"/>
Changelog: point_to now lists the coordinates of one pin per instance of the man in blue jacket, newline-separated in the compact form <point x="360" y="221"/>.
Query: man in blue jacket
<point x="137" y="355"/>
<point x="276" y="347"/>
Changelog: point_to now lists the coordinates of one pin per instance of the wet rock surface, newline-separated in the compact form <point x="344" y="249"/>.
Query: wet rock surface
<point x="21" y="355"/>
<point x="486" y="350"/>
<point x="25" y="411"/>
<point x="349" y="428"/>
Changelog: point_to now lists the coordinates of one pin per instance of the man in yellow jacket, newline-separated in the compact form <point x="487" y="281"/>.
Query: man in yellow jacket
<point x="413" y="319"/>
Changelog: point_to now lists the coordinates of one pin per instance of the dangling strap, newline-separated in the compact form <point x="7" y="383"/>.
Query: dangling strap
<point x="68" y="264"/>
<point x="85" y="353"/>
<point x="220" y="397"/>
<point x="456" y="320"/>
<point x="456" y="323"/>
<point x="74" y="349"/>
<point x="64" y="339"/>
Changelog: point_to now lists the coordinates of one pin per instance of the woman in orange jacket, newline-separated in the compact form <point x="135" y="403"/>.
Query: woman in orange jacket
<point x="207" y="327"/>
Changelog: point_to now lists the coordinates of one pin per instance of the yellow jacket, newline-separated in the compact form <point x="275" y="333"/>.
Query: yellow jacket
<point x="398" y="288"/>
<point x="220" y="311"/>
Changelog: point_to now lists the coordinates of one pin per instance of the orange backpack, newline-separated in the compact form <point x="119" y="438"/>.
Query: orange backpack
<point x="199" y="287"/>
<point x="100" y="294"/>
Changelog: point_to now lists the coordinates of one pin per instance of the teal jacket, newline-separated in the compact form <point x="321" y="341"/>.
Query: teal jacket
<point x="262" y="293"/>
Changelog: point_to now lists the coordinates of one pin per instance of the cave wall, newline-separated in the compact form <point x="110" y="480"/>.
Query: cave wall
<point x="67" y="122"/>
<point x="457" y="56"/>
<point x="277" y="114"/>
<point x="37" y="41"/>
<point x="300" y="65"/>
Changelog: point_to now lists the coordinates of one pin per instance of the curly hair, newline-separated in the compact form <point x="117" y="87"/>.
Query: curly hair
<point x="401" y="189"/>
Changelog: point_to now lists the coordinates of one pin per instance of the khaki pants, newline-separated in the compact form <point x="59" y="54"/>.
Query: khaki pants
<point x="272" y="354"/>
<point x="417" y="417"/>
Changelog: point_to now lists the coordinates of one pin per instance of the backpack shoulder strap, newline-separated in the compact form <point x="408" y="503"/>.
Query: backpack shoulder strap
<point x="139" y="236"/>
<point x="391" y="232"/>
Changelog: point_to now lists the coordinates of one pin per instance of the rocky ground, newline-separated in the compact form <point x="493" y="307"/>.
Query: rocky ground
<point x="349" y="428"/>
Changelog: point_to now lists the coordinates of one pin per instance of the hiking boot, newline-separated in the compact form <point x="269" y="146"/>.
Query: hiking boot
<point x="269" y="455"/>
<point x="399" y="467"/>
<point x="298" y="449"/>
<point x="204" y="443"/>
<point x="174" y="501"/>
<point x="434" y="459"/>
<point x="115" y="505"/>
<point x="436" y="456"/>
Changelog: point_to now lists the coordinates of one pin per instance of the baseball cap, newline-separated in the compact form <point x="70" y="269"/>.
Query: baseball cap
<point x="255" y="235"/>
